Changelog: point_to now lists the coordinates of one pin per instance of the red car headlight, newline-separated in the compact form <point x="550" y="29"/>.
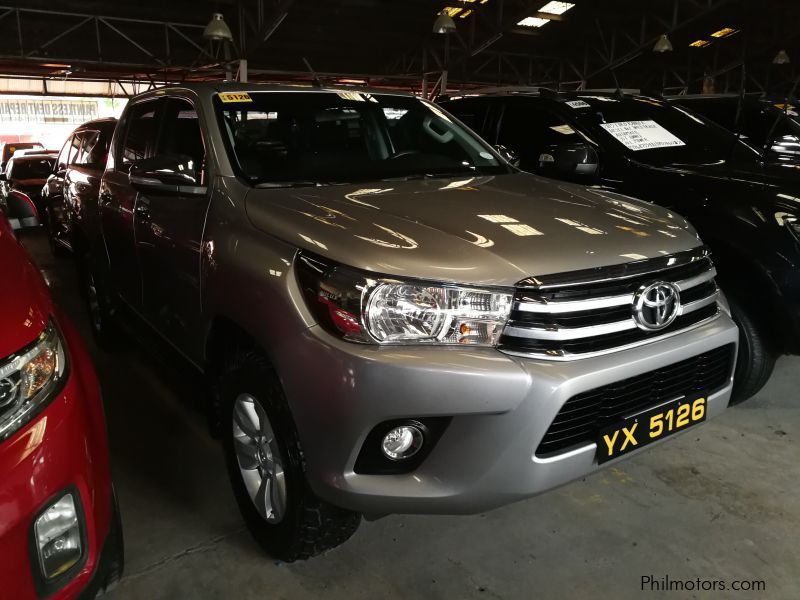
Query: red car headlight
<point x="30" y="378"/>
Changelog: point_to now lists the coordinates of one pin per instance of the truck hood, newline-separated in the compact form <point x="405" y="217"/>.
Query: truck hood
<point x="490" y="230"/>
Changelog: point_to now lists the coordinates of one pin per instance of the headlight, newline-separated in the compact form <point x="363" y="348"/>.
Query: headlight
<point x="387" y="311"/>
<point x="29" y="379"/>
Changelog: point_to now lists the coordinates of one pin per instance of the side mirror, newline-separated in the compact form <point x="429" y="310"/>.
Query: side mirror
<point x="20" y="211"/>
<point x="569" y="160"/>
<point x="511" y="157"/>
<point x="174" y="175"/>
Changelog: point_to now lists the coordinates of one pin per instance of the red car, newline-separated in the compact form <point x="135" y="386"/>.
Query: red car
<point x="60" y="534"/>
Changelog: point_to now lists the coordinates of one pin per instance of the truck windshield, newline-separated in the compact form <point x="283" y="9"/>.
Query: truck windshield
<point x="653" y="132"/>
<point x="339" y="137"/>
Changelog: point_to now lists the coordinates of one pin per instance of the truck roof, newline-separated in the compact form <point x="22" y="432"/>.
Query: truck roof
<point x="215" y="87"/>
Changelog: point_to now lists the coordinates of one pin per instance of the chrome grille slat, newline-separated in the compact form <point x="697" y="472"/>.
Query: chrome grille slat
<point x="570" y="333"/>
<point x="573" y="305"/>
<point x="697" y="280"/>
<point x="698" y="304"/>
<point x="581" y="319"/>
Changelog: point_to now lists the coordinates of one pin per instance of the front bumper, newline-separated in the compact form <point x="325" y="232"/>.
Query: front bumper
<point x="63" y="449"/>
<point x="501" y="407"/>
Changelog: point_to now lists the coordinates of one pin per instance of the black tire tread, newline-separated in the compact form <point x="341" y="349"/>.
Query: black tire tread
<point x="756" y="359"/>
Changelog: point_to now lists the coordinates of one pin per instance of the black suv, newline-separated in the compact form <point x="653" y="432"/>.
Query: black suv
<point x="771" y="125"/>
<point x="641" y="146"/>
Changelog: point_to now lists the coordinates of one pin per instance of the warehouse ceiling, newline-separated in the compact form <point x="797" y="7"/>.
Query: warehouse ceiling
<point x="391" y="42"/>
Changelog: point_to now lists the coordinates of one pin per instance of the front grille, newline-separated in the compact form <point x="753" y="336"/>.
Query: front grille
<point x="582" y="416"/>
<point x="565" y="319"/>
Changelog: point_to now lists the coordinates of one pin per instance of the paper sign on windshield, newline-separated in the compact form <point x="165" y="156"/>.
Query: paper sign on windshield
<point x="578" y="104"/>
<point x="642" y="135"/>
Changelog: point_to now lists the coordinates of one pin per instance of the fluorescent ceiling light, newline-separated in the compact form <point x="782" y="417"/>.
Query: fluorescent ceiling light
<point x="699" y="43"/>
<point x="556" y="8"/>
<point x="465" y="14"/>
<point x="724" y="32"/>
<point x="533" y="22"/>
<point x="451" y="11"/>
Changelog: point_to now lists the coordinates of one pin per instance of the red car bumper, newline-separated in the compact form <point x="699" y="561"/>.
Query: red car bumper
<point x="64" y="448"/>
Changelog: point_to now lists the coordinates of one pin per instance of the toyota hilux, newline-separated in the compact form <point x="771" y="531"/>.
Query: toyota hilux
<point x="391" y="318"/>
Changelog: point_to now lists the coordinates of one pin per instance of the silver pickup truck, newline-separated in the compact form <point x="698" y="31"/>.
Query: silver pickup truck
<point x="391" y="317"/>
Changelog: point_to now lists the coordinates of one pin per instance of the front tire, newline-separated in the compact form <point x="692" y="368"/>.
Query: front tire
<point x="265" y="465"/>
<point x="756" y="358"/>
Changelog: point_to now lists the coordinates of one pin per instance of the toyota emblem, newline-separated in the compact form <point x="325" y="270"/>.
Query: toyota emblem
<point x="656" y="306"/>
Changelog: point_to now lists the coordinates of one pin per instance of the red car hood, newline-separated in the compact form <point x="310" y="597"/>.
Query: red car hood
<point x="25" y="303"/>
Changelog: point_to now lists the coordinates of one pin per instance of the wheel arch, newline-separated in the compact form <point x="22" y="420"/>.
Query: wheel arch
<point x="744" y="277"/>
<point x="225" y="339"/>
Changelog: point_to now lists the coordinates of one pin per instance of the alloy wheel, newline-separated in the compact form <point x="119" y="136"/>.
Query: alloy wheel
<point x="259" y="459"/>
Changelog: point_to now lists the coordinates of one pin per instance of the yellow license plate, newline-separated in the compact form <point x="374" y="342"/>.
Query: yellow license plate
<point x="646" y="427"/>
<point x="235" y="97"/>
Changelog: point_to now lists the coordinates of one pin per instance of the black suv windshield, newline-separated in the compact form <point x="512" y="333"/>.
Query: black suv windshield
<point x="31" y="168"/>
<point x="340" y="137"/>
<point x="653" y="132"/>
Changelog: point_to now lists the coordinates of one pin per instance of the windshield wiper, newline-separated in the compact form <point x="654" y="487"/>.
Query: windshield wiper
<point x="430" y="176"/>
<point x="288" y="184"/>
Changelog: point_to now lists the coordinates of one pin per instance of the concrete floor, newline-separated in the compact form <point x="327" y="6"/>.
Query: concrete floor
<point x="720" y="502"/>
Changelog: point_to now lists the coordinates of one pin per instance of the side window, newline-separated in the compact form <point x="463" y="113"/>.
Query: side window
<point x="180" y="133"/>
<point x="529" y="130"/>
<point x="92" y="151"/>
<point x="63" y="156"/>
<point x="74" y="148"/>
<point x="756" y="122"/>
<point x="80" y="155"/>
<point x="472" y="112"/>
<point x="721" y="111"/>
<point x="140" y="129"/>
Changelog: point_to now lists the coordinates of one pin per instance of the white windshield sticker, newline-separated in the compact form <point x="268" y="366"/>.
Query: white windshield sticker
<point x="642" y="135"/>
<point x="578" y="104"/>
<point x="565" y="129"/>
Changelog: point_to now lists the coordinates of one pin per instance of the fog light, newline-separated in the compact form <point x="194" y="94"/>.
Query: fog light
<point x="58" y="537"/>
<point x="402" y="442"/>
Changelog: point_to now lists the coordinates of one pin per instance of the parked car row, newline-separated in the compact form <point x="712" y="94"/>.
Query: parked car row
<point x="393" y="318"/>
